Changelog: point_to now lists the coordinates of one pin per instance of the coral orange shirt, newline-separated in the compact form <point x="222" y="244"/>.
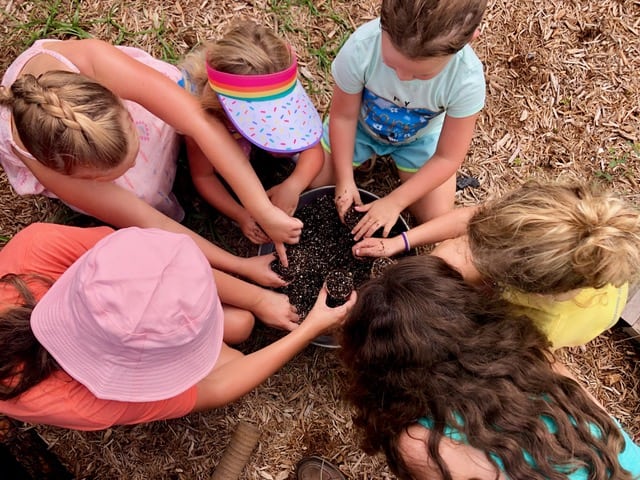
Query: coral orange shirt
<point x="48" y="250"/>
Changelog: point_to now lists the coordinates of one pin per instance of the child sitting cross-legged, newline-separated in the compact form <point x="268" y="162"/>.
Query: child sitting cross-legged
<point x="99" y="127"/>
<point x="102" y="328"/>
<point x="248" y="80"/>
<point x="408" y="85"/>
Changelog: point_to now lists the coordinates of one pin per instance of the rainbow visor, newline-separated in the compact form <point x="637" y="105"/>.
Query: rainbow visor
<point x="272" y="111"/>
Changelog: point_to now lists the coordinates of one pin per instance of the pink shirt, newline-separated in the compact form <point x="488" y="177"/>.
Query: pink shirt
<point x="151" y="179"/>
<point x="48" y="250"/>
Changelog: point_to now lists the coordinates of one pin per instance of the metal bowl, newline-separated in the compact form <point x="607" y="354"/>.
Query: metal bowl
<point x="317" y="468"/>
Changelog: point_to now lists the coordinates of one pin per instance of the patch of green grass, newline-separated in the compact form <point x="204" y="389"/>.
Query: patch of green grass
<point x="618" y="164"/>
<point x="332" y="40"/>
<point x="53" y="21"/>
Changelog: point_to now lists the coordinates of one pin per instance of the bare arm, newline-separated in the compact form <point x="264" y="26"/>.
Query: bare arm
<point x="215" y="193"/>
<point x="453" y="146"/>
<point x="449" y="225"/>
<point x="272" y="308"/>
<point x="119" y="207"/>
<point x="343" y="122"/>
<point x="239" y="375"/>
<point x="134" y="81"/>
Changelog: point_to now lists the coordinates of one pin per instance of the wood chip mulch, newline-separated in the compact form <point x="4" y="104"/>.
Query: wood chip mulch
<point x="563" y="102"/>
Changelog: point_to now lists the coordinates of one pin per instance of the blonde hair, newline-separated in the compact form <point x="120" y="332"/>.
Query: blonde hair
<point x="66" y="120"/>
<point x="431" y="28"/>
<point x="555" y="238"/>
<point x="245" y="49"/>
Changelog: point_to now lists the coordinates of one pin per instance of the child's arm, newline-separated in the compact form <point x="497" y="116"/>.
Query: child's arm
<point x="450" y="225"/>
<point x="343" y="122"/>
<point x="214" y="192"/>
<point x="453" y="146"/>
<point x="272" y="308"/>
<point x="135" y="81"/>
<point x="234" y="375"/>
<point x="286" y="195"/>
<point x="119" y="207"/>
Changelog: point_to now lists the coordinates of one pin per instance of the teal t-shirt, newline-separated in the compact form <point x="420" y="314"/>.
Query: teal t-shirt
<point x="629" y="458"/>
<point x="396" y="111"/>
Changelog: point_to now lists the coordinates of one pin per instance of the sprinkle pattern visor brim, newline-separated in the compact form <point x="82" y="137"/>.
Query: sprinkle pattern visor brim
<point x="288" y="124"/>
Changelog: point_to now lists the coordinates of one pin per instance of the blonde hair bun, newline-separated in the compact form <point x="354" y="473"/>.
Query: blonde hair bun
<point x="553" y="238"/>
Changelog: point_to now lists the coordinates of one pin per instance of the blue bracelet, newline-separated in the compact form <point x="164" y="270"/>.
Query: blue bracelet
<point x="407" y="247"/>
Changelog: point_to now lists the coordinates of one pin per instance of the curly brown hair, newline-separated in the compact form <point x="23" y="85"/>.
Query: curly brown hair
<point x="420" y="342"/>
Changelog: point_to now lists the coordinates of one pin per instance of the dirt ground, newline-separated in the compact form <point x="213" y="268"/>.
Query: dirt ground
<point x="563" y="102"/>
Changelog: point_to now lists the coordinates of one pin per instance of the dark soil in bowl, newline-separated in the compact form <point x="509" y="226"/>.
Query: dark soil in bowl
<point x="325" y="246"/>
<point x="352" y="217"/>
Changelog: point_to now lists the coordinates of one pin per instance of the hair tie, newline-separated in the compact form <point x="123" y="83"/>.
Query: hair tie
<point x="407" y="247"/>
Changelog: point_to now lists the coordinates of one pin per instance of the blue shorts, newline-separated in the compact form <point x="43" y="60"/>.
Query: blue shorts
<point x="408" y="157"/>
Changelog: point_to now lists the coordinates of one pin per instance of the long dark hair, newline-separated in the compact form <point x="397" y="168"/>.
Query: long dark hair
<point x="420" y="342"/>
<point x="23" y="361"/>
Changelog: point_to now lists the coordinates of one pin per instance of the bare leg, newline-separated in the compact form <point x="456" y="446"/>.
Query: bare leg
<point x="238" y="324"/>
<point x="326" y="175"/>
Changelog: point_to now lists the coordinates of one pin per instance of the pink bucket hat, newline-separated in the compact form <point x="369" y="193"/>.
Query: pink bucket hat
<point x="137" y="318"/>
<point x="272" y="111"/>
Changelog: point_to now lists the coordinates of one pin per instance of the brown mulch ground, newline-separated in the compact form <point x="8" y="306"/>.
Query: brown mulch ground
<point x="563" y="102"/>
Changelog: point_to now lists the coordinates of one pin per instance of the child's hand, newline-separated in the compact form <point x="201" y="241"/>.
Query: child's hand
<point x="381" y="213"/>
<point x="322" y="318"/>
<point x="274" y="310"/>
<point x="346" y="194"/>
<point x="252" y="230"/>
<point x="378" y="247"/>
<point x="281" y="229"/>
<point x="284" y="196"/>
<point x="259" y="270"/>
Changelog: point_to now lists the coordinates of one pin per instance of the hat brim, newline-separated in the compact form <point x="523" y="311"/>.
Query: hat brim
<point x="289" y="124"/>
<point x="100" y="371"/>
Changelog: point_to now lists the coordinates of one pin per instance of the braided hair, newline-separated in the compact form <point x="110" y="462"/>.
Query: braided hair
<point x="66" y="120"/>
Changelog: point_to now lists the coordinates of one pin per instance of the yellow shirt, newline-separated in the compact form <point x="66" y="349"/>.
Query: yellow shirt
<point x="576" y="321"/>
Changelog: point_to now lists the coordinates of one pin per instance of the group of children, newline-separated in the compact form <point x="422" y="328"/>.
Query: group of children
<point x="450" y="354"/>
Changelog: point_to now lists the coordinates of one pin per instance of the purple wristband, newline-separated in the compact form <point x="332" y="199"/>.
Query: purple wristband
<point x="407" y="247"/>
